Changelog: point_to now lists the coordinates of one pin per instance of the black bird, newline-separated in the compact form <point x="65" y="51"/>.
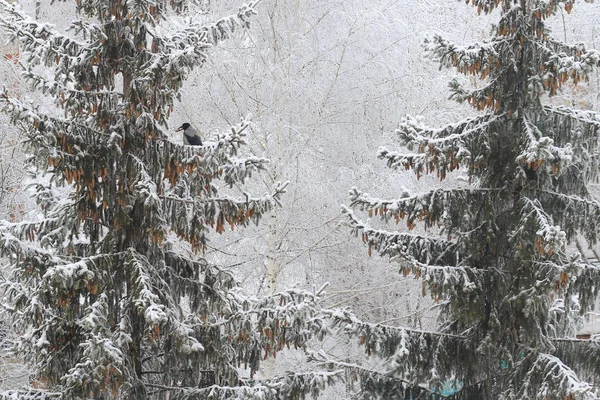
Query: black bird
<point x="190" y="135"/>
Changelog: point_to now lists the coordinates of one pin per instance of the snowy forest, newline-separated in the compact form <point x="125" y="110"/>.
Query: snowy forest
<point x="299" y="199"/>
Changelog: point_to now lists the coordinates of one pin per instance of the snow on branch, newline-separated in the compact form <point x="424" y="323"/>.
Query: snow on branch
<point x="559" y="272"/>
<point x="310" y="382"/>
<point x="194" y="215"/>
<point x="377" y="338"/>
<point x="577" y="215"/>
<point x="582" y="352"/>
<point x="30" y="115"/>
<point x="172" y="57"/>
<point x="252" y="392"/>
<point x="76" y="275"/>
<point x="487" y="6"/>
<point x="550" y="237"/>
<point x="434" y="207"/>
<point x="214" y="159"/>
<point x="380" y="382"/>
<point x="407" y="353"/>
<point x="560" y="67"/>
<point x="42" y="40"/>
<point x="548" y="376"/>
<point x="434" y="260"/>
<point x="387" y="384"/>
<point x="477" y="59"/>
<point x="236" y="211"/>
<point x="193" y="199"/>
<point x="197" y="34"/>
<point x="101" y="365"/>
<point x="547" y="8"/>
<point x="427" y="249"/>
<point x="67" y="95"/>
<point x="146" y="297"/>
<point x="29" y="394"/>
<point x="25" y="250"/>
<point x="189" y="269"/>
<point x="251" y="329"/>
<point x="291" y="317"/>
<point x="480" y="98"/>
<point x="540" y="148"/>
<point x="275" y="388"/>
<point x="444" y="149"/>
<point x="587" y="117"/>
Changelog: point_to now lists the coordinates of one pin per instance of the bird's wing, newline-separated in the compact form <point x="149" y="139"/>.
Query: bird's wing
<point x="191" y="131"/>
<point x="193" y="140"/>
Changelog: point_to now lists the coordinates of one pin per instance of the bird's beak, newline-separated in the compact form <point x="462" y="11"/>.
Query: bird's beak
<point x="179" y="129"/>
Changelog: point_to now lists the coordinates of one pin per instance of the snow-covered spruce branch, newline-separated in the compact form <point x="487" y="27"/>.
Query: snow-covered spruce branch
<point x="213" y="159"/>
<point x="77" y="274"/>
<point x="194" y="214"/>
<point x="226" y="143"/>
<point x="256" y="327"/>
<point x="389" y="385"/>
<point x="146" y="289"/>
<point x="29" y="394"/>
<point x="70" y="97"/>
<point x="291" y="317"/>
<point x="570" y="199"/>
<point x="278" y="309"/>
<point x="238" y="169"/>
<point x="28" y="229"/>
<point x="18" y="111"/>
<point x="477" y="58"/>
<point x="570" y="276"/>
<point x="26" y="250"/>
<point x="382" y="382"/>
<point x="425" y="207"/>
<point x="427" y="249"/>
<point x="549" y="376"/>
<point x="227" y="202"/>
<point x="406" y="352"/>
<point x="415" y="134"/>
<point x="441" y="150"/>
<point x="84" y="275"/>
<point x="98" y="344"/>
<point x="574" y="214"/>
<point x="190" y="268"/>
<point x="593" y="341"/>
<point x="199" y="278"/>
<point x="549" y="8"/>
<point x="56" y="137"/>
<point x="41" y="39"/>
<point x="380" y="333"/>
<point x="482" y="97"/>
<point x="175" y="55"/>
<point x="422" y="259"/>
<point x="443" y="280"/>
<point x="587" y="117"/>
<point x="560" y="67"/>
<point x="541" y="148"/>
<point x="573" y="263"/>
<point x="555" y="46"/>
<point x="278" y="387"/>
<point x="552" y="237"/>
<point x="585" y="352"/>
<point x="199" y="34"/>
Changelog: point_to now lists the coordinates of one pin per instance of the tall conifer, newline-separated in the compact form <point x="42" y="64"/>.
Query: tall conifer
<point x="509" y="257"/>
<point x="106" y="301"/>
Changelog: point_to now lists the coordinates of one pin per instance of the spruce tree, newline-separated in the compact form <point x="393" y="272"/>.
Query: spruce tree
<point x="508" y="257"/>
<point x="108" y="291"/>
